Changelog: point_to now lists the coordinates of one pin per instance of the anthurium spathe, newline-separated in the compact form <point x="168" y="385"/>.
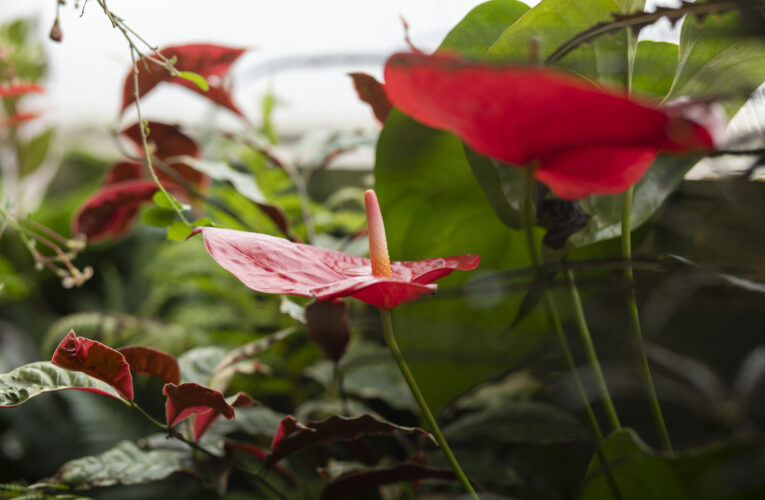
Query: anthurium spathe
<point x="275" y="265"/>
<point x="580" y="138"/>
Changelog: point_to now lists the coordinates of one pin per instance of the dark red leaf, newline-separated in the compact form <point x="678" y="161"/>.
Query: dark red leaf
<point x="210" y="61"/>
<point x="255" y="451"/>
<point x="372" y="92"/>
<point x="169" y="141"/>
<point x="292" y="436"/>
<point x="187" y="399"/>
<point x="19" y="89"/>
<point x="328" y="326"/>
<point x="95" y="359"/>
<point x="123" y="171"/>
<point x="203" y="421"/>
<point x="355" y="482"/>
<point x="582" y="139"/>
<point x="112" y="210"/>
<point x="154" y="362"/>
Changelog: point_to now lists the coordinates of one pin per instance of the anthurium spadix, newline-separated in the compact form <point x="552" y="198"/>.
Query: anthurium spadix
<point x="275" y="265"/>
<point x="580" y="139"/>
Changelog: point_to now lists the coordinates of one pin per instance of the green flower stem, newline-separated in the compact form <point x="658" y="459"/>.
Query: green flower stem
<point x="528" y="213"/>
<point x="592" y="356"/>
<point x="632" y="308"/>
<point x="390" y="339"/>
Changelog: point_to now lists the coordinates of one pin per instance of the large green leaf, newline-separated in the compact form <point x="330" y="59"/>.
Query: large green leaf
<point x="655" y="67"/>
<point x="636" y="471"/>
<point x="124" y="464"/>
<point x="718" y="59"/>
<point x="433" y="206"/>
<point x="33" y="379"/>
<point x="551" y="23"/>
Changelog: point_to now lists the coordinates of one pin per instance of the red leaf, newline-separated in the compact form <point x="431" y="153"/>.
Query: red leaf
<point x="274" y="265"/>
<point x="169" y="141"/>
<point x="584" y="139"/>
<point x="328" y="326"/>
<point x="187" y="399"/>
<point x="204" y="59"/>
<point x="154" y="362"/>
<point x="355" y="482"/>
<point x="95" y="359"/>
<point x="19" y="89"/>
<point x="123" y="171"/>
<point x="112" y="210"/>
<point x="372" y="92"/>
<point x="292" y="436"/>
<point x="203" y="421"/>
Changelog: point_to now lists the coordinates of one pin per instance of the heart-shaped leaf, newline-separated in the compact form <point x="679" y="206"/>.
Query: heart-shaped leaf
<point x="328" y="326"/>
<point x="97" y="360"/>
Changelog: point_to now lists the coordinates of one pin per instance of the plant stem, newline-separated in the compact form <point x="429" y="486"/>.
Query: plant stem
<point x="390" y="339"/>
<point x="528" y="213"/>
<point x="592" y="356"/>
<point x="632" y="308"/>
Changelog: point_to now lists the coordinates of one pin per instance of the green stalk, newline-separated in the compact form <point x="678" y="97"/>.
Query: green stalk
<point x="592" y="356"/>
<point x="390" y="339"/>
<point x="632" y="308"/>
<point x="529" y="216"/>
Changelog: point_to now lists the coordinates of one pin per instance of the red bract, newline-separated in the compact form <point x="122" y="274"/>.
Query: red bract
<point x="274" y="265"/>
<point x="210" y="61"/>
<point x="95" y="359"/>
<point x="187" y="399"/>
<point x="583" y="139"/>
<point x="111" y="211"/>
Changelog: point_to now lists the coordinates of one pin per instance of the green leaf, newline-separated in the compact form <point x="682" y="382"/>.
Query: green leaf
<point x="502" y="185"/>
<point x="655" y="67"/>
<point x="637" y="472"/>
<point x="124" y="464"/>
<point x="481" y="27"/>
<point x="551" y="23"/>
<point x="197" y="365"/>
<point x="178" y="231"/>
<point x="267" y="110"/>
<point x="718" y="58"/>
<point x="33" y="379"/>
<point x="158" y="216"/>
<point x="32" y="153"/>
<point x="196" y="78"/>
<point x="527" y="422"/>
<point x="161" y="200"/>
<point x="245" y="184"/>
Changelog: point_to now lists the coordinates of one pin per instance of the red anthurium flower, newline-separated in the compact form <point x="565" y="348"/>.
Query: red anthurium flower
<point x="582" y="139"/>
<point x="274" y="265"/>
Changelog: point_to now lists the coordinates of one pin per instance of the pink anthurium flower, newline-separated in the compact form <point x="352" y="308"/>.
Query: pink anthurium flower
<point x="275" y="265"/>
<point x="580" y="138"/>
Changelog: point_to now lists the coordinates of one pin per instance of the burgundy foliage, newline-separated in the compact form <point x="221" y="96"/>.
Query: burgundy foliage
<point x="188" y="399"/>
<point x="328" y="326"/>
<point x="95" y="359"/>
<point x="153" y="362"/>
<point x="352" y="483"/>
<point x="210" y="61"/>
<point x="203" y="421"/>
<point x="372" y="92"/>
